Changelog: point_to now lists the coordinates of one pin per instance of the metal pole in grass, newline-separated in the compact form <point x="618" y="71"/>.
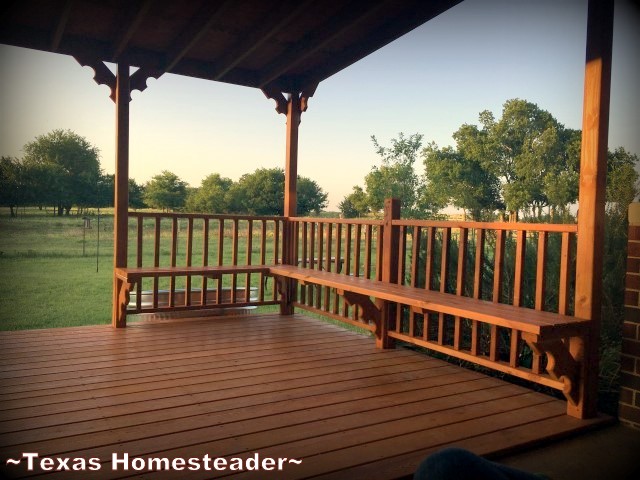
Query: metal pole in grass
<point x="98" y="244"/>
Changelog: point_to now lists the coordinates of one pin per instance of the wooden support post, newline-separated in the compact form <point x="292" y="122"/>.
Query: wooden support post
<point x="293" y="106"/>
<point x="390" y="244"/>
<point x="121" y="198"/>
<point x="591" y="201"/>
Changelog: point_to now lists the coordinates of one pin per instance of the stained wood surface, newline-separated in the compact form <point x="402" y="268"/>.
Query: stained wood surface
<point x="134" y="274"/>
<point x="522" y="319"/>
<point x="280" y="386"/>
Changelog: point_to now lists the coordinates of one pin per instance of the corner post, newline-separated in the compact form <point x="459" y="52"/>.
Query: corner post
<point x="121" y="199"/>
<point x="390" y="245"/>
<point x="591" y="201"/>
<point x="290" y="199"/>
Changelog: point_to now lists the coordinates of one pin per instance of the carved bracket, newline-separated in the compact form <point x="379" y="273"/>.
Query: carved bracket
<point x="370" y="311"/>
<point x="104" y="76"/>
<point x="124" y="295"/>
<point x="560" y="363"/>
<point x="281" y="102"/>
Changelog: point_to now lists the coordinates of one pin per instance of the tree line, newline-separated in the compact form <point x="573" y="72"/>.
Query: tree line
<point x="522" y="165"/>
<point x="62" y="169"/>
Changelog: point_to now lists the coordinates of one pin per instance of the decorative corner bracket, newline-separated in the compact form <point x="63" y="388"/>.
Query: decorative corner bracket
<point x="281" y="102"/>
<point x="104" y="76"/>
<point x="560" y="363"/>
<point x="370" y="311"/>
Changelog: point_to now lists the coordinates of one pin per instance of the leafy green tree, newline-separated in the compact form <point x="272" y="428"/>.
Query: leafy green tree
<point x="165" y="191"/>
<point x="262" y="193"/>
<point x="396" y="177"/>
<point x="453" y="178"/>
<point x="355" y="204"/>
<point x="13" y="190"/>
<point x="66" y="169"/>
<point x="211" y="196"/>
<point x="136" y="195"/>
<point x="311" y="197"/>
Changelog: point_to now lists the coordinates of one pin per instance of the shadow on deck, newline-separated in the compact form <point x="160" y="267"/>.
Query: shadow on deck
<point x="232" y="387"/>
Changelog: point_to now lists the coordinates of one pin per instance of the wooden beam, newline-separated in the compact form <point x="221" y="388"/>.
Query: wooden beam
<point x="348" y="17"/>
<point x="137" y="12"/>
<point x="591" y="200"/>
<point x="196" y="29"/>
<point x="291" y="161"/>
<point x="264" y="32"/>
<point x="121" y="198"/>
<point x="101" y="74"/>
<point x="56" y="38"/>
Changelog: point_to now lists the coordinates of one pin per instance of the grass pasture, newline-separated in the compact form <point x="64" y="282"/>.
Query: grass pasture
<point x="46" y="281"/>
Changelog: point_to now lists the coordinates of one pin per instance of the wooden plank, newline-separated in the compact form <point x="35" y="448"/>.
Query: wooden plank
<point x="444" y="277"/>
<point x="565" y="275"/>
<point x="539" y="322"/>
<point x="431" y="241"/>
<point x="460" y="282"/>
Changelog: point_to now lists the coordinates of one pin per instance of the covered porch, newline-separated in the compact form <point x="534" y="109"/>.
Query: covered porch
<point x="282" y="386"/>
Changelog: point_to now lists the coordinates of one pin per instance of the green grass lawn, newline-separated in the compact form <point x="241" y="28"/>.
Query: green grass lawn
<point x="44" y="278"/>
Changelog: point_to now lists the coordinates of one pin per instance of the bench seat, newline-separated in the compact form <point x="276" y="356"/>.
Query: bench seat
<point x="525" y="320"/>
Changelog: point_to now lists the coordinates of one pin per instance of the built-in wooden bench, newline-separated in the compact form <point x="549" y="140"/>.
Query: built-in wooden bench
<point x="127" y="278"/>
<point x="543" y="331"/>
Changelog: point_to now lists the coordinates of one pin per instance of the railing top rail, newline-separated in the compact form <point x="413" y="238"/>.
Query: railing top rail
<point x="507" y="226"/>
<point x="211" y="216"/>
<point x="352" y="221"/>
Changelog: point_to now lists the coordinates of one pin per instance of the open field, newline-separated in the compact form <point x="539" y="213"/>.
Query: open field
<point x="45" y="279"/>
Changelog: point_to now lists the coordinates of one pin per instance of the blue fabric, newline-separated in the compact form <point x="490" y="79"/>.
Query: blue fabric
<point x="460" y="464"/>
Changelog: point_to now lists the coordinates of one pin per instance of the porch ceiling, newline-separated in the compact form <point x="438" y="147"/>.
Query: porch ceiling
<point x="284" y="45"/>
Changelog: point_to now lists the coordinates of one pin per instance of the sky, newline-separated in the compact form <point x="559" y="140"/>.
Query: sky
<point x="471" y="58"/>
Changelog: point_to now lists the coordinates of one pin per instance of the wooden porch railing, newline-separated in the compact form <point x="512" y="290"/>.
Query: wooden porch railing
<point x="521" y="264"/>
<point x="185" y="240"/>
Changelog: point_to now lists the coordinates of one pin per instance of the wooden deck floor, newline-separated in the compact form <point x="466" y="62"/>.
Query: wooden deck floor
<point x="232" y="387"/>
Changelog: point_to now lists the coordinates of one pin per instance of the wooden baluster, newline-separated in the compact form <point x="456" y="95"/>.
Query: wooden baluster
<point x="477" y="285"/>
<point x="379" y="253"/>
<point x="276" y="246"/>
<point x="263" y="258"/>
<point x="156" y="257"/>
<point x="247" y="280"/>
<point x="336" y="298"/>
<point x="536" y="365"/>
<point x="174" y="254"/>
<point x="460" y="282"/>
<point x="415" y="262"/>
<point x="565" y="274"/>
<point x="368" y="244"/>
<point x="497" y="289"/>
<point x="402" y="265"/>
<point x="234" y="258"/>
<point x="312" y="250"/>
<point x="327" y="262"/>
<point x="219" y="296"/>
<point x="347" y="263"/>
<point x="428" y="275"/>
<point x="189" y="255"/>
<point x="317" y="262"/>
<point x="356" y="265"/>
<point x="140" y="238"/>
<point x="205" y="258"/>
<point x="521" y="245"/>
<point x="305" y="256"/>
<point x="444" y="277"/>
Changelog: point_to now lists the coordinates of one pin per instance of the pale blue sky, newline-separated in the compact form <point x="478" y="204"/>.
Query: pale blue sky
<point x="473" y="57"/>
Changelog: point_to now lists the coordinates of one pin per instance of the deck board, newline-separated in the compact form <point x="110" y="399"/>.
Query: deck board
<point x="289" y="387"/>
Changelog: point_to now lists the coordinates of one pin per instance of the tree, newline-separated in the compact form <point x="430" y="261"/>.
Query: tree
<point x="533" y="157"/>
<point x="13" y="190"/>
<point x="396" y="177"/>
<point x="66" y="169"/>
<point x="136" y="195"/>
<point x="165" y="191"/>
<point x="262" y="193"/>
<point x="311" y="197"/>
<point x="452" y="178"/>
<point x="354" y="204"/>
<point x="211" y="196"/>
